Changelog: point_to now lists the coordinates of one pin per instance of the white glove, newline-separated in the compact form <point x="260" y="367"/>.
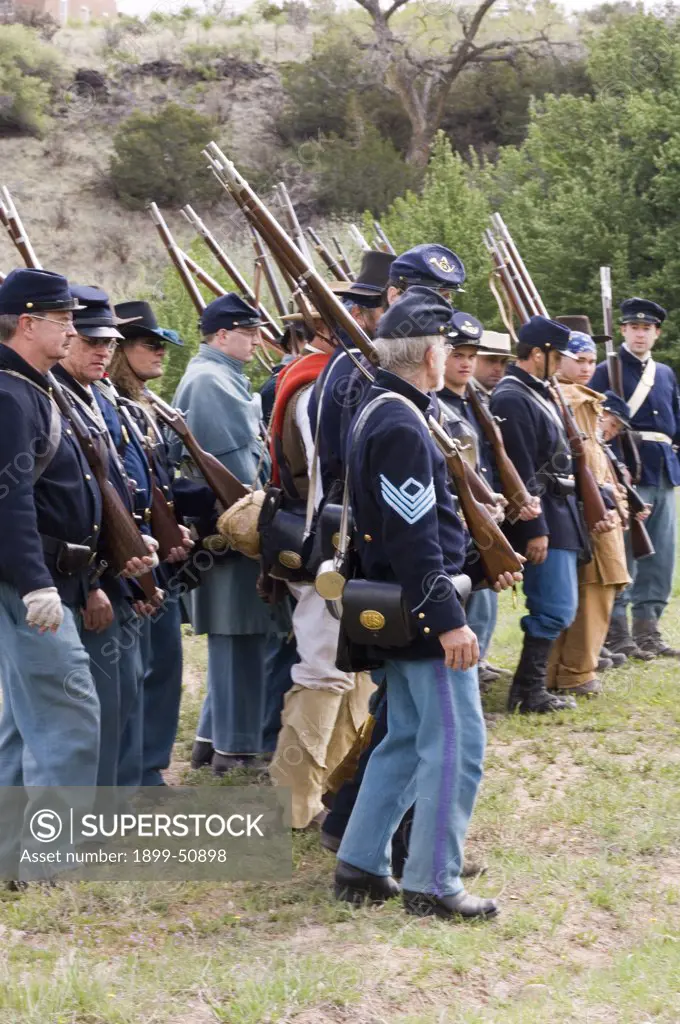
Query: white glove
<point x="44" y="609"/>
<point x="152" y="546"/>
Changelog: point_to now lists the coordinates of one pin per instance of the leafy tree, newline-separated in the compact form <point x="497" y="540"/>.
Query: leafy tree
<point x="30" y="73"/>
<point x="159" y="157"/>
<point x="452" y="210"/>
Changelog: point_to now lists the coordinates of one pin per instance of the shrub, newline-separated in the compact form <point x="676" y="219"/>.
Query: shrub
<point x="30" y="73"/>
<point x="362" y="172"/>
<point x="159" y="157"/>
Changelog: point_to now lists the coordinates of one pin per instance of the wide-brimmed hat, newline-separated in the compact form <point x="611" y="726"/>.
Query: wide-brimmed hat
<point x="581" y="324"/>
<point x="495" y="343"/>
<point x="371" y="280"/>
<point x="139" y="321"/>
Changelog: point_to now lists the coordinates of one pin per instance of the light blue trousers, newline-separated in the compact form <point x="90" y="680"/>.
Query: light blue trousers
<point x="233" y="712"/>
<point x="432" y="755"/>
<point x="116" y="666"/>
<point x="481" y="613"/>
<point x="652" y="577"/>
<point x="49" y="730"/>
<point x="551" y="592"/>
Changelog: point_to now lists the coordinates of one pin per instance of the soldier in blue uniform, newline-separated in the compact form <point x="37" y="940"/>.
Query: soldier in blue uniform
<point x="50" y="510"/>
<point x="152" y="727"/>
<point x="342" y="386"/>
<point x="651" y="391"/>
<point x="407" y="532"/>
<point x="224" y="415"/>
<point x="460" y="420"/>
<point x="536" y="441"/>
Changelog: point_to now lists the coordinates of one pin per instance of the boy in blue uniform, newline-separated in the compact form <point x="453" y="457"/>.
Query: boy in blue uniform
<point x="408" y="532"/>
<point x="535" y="440"/>
<point x="651" y="391"/>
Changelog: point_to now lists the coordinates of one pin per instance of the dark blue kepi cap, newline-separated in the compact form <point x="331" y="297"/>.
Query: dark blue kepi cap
<point x="35" y="291"/>
<point x="641" y="311"/>
<point x="540" y="332"/>
<point x="614" y="404"/>
<point x="418" y="313"/>
<point x="429" y="264"/>
<point x="227" y="313"/>
<point x="96" y="319"/>
<point x="468" y="329"/>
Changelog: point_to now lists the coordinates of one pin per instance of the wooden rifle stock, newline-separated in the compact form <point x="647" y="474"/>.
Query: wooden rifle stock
<point x="594" y="508"/>
<point x="177" y="257"/>
<point x="512" y="485"/>
<point x="226" y="487"/>
<point x="121" y="534"/>
<point x="164" y="525"/>
<point x="640" y="541"/>
<point x="496" y="553"/>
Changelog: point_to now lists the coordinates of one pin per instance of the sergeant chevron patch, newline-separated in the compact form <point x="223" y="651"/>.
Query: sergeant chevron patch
<point x="411" y="501"/>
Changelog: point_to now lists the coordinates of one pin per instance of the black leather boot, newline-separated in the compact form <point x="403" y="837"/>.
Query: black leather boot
<point x="462" y="904"/>
<point x="201" y="753"/>
<point x="356" y="886"/>
<point x="528" y="692"/>
<point x="648" y="637"/>
<point x="620" y="641"/>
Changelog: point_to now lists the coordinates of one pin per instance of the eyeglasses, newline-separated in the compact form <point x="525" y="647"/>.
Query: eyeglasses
<point x="153" y="346"/>
<point x="108" y="343"/>
<point x="65" y="325"/>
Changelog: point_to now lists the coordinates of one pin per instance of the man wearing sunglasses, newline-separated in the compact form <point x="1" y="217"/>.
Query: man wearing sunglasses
<point x="152" y="727"/>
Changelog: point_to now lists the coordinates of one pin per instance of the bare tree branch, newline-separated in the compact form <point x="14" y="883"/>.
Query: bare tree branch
<point x="394" y="8"/>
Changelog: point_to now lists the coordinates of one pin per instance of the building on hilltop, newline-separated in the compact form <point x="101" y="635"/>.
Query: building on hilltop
<point x="63" y="10"/>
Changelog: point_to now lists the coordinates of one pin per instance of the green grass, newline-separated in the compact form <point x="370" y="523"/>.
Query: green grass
<point x="578" y="820"/>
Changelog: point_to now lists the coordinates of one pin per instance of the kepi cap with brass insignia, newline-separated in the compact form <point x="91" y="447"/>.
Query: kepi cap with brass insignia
<point x="464" y="329"/>
<point x="641" y="311"/>
<point x="35" y="291"/>
<point x="431" y="265"/>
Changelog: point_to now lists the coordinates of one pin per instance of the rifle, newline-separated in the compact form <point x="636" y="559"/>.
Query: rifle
<point x="512" y="485"/>
<point x="497" y="555"/>
<point x="15" y="228"/>
<point x="640" y="541"/>
<point x="358" y="237"/>
<point x="628" y="442"/>
<point x="594" y="508"/>
<point x="226" y="487"/>
<point x="122" y="537"/>
<point x="220" y="255"/>
<point x="293" y="223"/>
<point x="164" y="525"/>
<point x="344" y="262"/>
<point x="184" y="265"/>
<point x="526" y="301"/>
<point x="269" y="274"/>
<point x="338" y="271"/>
<point x="383" y="240"/>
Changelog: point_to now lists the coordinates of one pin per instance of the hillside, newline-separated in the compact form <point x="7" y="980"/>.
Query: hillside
<point x="59" y="181"/>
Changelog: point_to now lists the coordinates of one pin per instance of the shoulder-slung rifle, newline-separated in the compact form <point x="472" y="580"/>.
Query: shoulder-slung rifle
<point x="496" y="554"/>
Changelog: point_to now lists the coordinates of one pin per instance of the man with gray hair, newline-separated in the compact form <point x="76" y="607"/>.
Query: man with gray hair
<point x="408" y="535"/>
